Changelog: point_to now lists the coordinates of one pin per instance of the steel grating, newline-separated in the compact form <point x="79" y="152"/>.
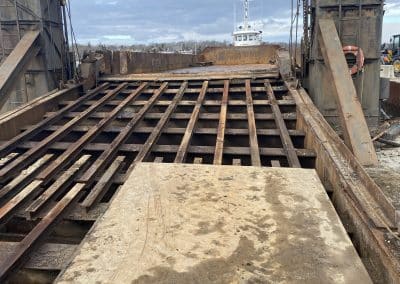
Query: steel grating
<point x="58" y="176"/>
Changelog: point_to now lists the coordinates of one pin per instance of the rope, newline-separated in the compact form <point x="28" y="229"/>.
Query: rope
<point x="73" y="38"/>
<point x="294" y="19"/>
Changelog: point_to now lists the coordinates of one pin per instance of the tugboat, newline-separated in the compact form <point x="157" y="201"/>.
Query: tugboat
<point x="246" y="33"/>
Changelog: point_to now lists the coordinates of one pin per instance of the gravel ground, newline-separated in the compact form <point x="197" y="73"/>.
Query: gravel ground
<point x="387" y="175"/>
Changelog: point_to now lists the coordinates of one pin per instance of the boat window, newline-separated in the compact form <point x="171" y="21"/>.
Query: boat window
<point x="239" y="38"/>
<point x="244" y="37"/>
<point x="250" y="37"/>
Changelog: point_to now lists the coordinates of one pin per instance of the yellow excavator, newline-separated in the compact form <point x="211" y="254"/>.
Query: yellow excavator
<point x="393" y="54"/>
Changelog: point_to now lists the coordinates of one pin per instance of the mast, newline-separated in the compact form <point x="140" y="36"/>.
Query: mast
<point x="246" y="14"/>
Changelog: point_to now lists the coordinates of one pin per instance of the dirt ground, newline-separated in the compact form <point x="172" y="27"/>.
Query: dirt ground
<point x="387" y="175"/>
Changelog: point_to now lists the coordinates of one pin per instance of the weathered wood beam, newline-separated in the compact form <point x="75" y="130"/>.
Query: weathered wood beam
<point x="219" y="148"/>
<point x="255" y="151"/>
<point x="355" y="128"/>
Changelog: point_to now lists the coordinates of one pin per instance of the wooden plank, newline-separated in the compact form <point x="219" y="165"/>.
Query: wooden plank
<point x="219" y="147"/>
<point x="17" y="164"/>
<point x="198" y="161"/>
<point x="255" y="151"/>
<point x="150" y="142"/>
<point x="113" y="148"/>
<point x="20" y="199"/>
<point x="23" y="178"/>
<point x="355" y="129"/>
<point x="8" y="158"/>
<point x="97" y="193"/>
<point x="39" y="233"/>
<point x="181" y="155"/>
<point x="158" y="159"/>
<point x="186" y="214"/>
<point x="284" y="133"/>
<point x="236" y="162"/>
<point x="76" y="148"/>
<point x="57" y="187"/>
<point x="275" y="164"/>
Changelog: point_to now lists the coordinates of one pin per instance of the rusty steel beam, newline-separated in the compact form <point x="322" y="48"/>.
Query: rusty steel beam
<point x="181" y="155"/>
<point x="150" y="142"/>
<point x="41" y="230"/>
<point x="76" y="148"/>
<point x="33" y="130"/>
<point x="284" y="133"/>
<point x="355" y="128"/>
<point x="113" y="148"/>
<point x="205" y="116"/>
<point x="206" y="150"/>
<point x="208" y="102"/>
<point x="123" y="129"/>
<point x="174" y="130"/>
<point x="24" y="159"/>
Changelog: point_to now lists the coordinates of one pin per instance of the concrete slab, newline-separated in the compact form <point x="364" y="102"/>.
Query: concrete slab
<point x="175" y="223"/>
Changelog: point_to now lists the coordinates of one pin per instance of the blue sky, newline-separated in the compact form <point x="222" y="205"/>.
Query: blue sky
<point x="147" y="21"/>
<point x="391" y="24"/>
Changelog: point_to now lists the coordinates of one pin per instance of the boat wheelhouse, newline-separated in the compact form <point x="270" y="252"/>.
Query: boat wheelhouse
<point x="246" y="34"/>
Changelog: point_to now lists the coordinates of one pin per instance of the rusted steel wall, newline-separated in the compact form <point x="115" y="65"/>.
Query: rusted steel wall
<point x="127" y="62"/>
<point x="394" y="97"/>
<point x="357" y="26"/>
<point x="33" y="112"/>
<point x="49" y="67"/>
<point x="239" y="55"/>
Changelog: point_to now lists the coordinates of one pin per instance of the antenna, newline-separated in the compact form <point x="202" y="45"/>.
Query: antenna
<point x="234" y="15"/>
<point x="246" y="7"/>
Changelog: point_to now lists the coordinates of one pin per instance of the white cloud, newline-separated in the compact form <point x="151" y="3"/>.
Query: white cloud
<point x="189" y="36"/>
<point x="105" y="2"/>
<point x="392" y="9"/>
<point x="117" y="37"/>
<point x="138" y="21"/>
